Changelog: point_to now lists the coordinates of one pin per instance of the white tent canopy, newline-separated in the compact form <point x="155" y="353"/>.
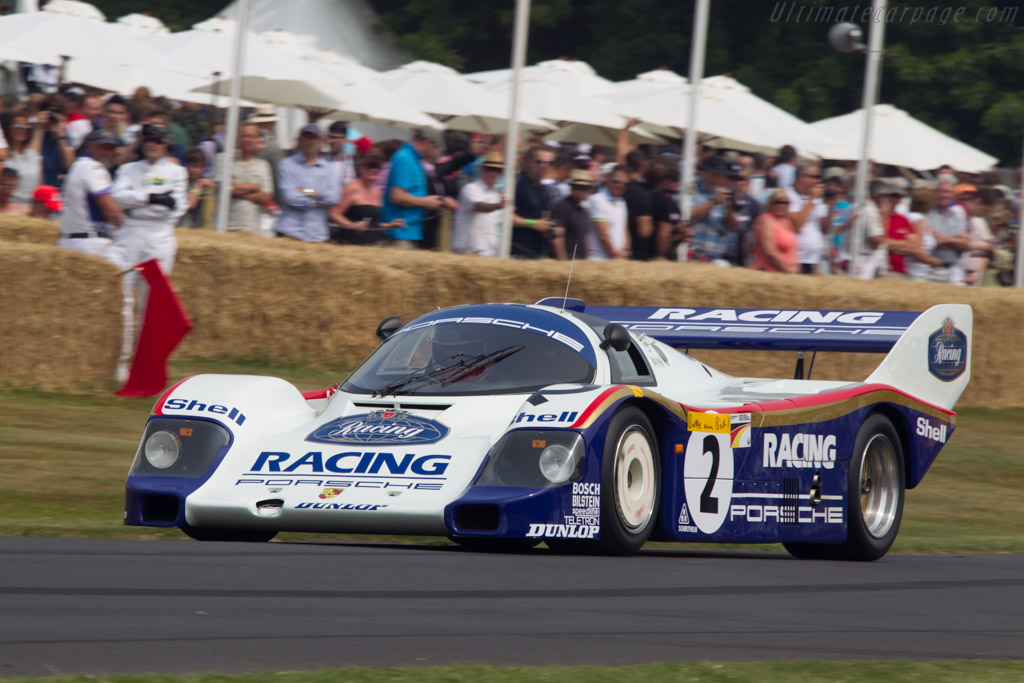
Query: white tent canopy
<point x="899" y="139"/>
<point x="444" y="94"/>
<point x="570" y="72"/>
<point x="346" y="101"/>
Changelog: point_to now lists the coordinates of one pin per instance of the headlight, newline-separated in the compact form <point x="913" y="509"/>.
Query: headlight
<point x="162" y="449"/>
<point x="557" y="463"/>
<point x="536" y="459"/>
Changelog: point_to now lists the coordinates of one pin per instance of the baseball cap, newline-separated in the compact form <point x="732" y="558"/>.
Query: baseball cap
<point x="103" y="137"/>
<point x="49" y="196"/>
<point x="265" y="113"/>
<point x="835" y="173"/>
<point x="311" y="129"/>
<point x="156" y="132"/>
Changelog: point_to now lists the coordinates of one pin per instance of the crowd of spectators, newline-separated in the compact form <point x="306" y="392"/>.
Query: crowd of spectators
<point x="785" y="214"/>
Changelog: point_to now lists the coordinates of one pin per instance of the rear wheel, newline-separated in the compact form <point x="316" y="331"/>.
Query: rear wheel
<point x="229" y="535"/>
<point x="874" y="497"/>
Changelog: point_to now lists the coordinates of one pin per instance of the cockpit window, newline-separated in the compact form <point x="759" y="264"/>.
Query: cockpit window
<point x="629" y="366"/>
<point x="439" y="360"/>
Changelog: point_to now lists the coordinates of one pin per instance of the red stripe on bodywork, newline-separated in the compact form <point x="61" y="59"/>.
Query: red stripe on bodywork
<point x="814" y="400"/>
<point x="158" y="409"/>
<point x="594" y="404"/>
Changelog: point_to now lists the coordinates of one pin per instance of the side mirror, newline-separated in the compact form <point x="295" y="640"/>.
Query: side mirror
<point x="387" y="327"/>
<point x="617" y="337"/>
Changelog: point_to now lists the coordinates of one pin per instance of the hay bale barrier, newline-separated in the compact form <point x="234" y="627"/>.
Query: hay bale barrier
<point x="319" y="304"/>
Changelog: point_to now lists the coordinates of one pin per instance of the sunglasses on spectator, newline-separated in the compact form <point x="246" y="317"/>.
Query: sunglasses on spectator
<point x="780" y="201"/>
<point x="616" y="181"/>
<point x="371" y="167"/>
<point x="21" y="126"/>
<point x="542" y="161"/>
<point x="337" y="136"/>
<point x="813" y="175"/>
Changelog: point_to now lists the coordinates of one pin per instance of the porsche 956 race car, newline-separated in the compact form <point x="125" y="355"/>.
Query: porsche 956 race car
<point x="588" y="428"/>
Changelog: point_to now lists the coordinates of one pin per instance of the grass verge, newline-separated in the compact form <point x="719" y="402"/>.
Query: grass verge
<point x="976" y="671"/>
<point x="64" y="459"/>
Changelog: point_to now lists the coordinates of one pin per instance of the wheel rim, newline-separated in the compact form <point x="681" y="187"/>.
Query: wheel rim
<point x="879" y="486"/>
<point x="634" y="479"/>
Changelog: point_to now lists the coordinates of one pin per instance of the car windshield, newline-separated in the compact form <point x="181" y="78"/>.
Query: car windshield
<point x="467" y="359"/>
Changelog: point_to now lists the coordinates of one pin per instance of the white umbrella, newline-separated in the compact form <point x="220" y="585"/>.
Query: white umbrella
<point x="570" y="72"/>
<point x="75" y="8"/>
<point x="142" y="25"/>
<point x="656" y="82"/>
<point x="50" y="35"/>
<point x="345" y="101"/>
<point x="444" y="94"/>
<point x="339" y="67"/>
<point x="204" y="53"/>
<point x="564" y="105"/>
<point x="899" y="139"/>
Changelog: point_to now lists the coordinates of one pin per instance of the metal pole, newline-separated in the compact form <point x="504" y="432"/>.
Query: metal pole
<point x="1019" y="264"/>
<point x="519" y="36"/>
<point x="231" y="133"/>
<point x="698" y="45"/>
<point x="876" y="44"/>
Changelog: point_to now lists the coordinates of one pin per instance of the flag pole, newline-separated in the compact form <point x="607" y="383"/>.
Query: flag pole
<point x="231" y="132"/>
<point x="519" y="39"/>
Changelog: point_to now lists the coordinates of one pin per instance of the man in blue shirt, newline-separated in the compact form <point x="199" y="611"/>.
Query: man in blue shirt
<point x="308" y="187"/>
<point x="406" y="196"/>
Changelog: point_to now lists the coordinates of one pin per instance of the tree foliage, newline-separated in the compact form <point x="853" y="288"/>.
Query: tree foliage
<point x="959" y="72"/>
<point x="178" y="15"/>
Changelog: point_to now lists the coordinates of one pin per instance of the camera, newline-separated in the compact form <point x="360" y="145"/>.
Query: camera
<point x="830" y="194"/>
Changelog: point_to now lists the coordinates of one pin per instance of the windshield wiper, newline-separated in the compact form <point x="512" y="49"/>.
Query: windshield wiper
<point x="482" y="362"/>
<point x="462" y="368"/>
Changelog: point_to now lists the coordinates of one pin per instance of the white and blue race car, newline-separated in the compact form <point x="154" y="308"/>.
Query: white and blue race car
<point x="503" y="425"/>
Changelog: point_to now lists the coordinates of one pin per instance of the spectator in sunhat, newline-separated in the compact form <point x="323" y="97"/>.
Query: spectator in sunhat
<point x="478" y="220"/>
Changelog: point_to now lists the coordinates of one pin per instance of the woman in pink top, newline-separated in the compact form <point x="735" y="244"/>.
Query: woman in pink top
<point x="775" y="236"/>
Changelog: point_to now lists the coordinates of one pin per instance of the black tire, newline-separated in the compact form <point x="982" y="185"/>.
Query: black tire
<point x="630" y="488"/>
<point x="876" y="488"/>
<point x="229" y="535"/>
<point x="495" y="545"/>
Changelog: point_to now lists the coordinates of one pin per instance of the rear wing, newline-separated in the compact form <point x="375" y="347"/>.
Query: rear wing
<point x="928" y="354"/>
<point x="756" y="328"/>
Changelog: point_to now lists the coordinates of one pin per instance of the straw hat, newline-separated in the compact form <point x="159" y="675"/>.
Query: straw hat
<point x="493" y="160"/>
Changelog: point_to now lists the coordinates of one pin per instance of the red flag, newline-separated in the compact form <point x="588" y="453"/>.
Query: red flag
<point x="164" y="326"/>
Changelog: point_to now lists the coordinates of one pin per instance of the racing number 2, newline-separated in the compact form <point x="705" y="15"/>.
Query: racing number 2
<point x="708" y="478"/>
<point x="708" y="503"/>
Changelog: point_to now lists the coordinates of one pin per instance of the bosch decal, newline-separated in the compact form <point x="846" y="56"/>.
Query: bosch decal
<point x="380" y="428"/>
<point x="926" y="429"/>
<point x="800" y="450"/>
<point x="947" y="351"/>
<point x="232" y="414"/>
<point x="354" y="462"/>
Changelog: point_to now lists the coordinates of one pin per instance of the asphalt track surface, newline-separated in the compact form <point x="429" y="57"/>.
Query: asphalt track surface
<point x="70" y="606"/>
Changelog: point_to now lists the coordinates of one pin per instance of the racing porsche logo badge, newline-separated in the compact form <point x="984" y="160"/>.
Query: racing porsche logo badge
<point x="947" y="352"/>
<point x="380" y="428"/>
<point x="330" y="493"/>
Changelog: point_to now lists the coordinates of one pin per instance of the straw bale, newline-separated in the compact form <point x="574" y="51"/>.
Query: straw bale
<point x="61" y="318"/>
<point x="319" y="304"/>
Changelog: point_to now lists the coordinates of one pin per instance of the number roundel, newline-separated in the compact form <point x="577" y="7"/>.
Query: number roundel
<point x="708" y="476"/>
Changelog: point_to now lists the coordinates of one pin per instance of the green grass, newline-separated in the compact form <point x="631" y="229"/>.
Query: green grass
<point x="975" y="671"/>
<point x="63" y="459"/>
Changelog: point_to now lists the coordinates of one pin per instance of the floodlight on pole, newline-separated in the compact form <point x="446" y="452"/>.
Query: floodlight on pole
<point x="519" y="36"/>
<point x="231" y="132"/>
<point x="848" y="38"/>
<point x="698" y="47"/>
